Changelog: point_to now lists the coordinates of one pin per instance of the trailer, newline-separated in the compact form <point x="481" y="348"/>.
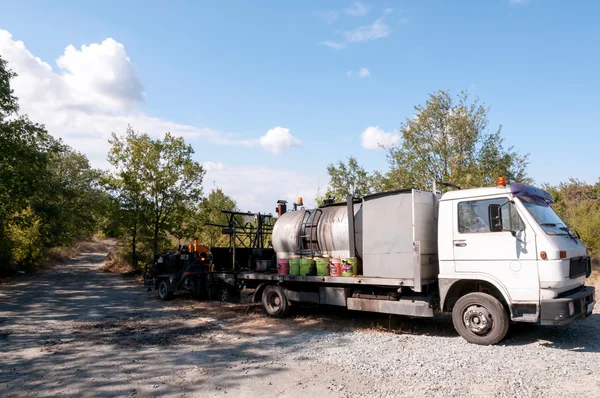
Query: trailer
<point x="488" y="256"/>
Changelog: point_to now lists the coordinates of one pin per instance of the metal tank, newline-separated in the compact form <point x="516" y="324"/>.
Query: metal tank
<point x="320" y="232"/>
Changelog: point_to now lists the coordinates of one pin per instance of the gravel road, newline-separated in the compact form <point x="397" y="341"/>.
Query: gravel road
<point x="75" y="331"/>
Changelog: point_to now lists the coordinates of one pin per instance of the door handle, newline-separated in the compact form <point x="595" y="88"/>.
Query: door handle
<point x="460" y="243"/>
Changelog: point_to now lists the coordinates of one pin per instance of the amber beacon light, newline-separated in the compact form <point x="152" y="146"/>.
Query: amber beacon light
<point x="501" y="181"/>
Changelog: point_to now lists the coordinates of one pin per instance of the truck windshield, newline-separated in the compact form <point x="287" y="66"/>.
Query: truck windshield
<point x="545" y="217"/>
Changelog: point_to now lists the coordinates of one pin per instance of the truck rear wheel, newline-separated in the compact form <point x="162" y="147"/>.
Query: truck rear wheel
<point x="164" y="290"/>
<point x="480" y="319"/>
<point x="274" y="302"/>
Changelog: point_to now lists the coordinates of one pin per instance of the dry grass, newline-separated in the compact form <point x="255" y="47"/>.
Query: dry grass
<point x="595" y="277"/>
<point x="115" y="264"/>
<point x="62" y="255"/>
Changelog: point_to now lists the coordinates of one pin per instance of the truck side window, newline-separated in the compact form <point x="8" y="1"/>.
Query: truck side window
<point x="473" y="216"/>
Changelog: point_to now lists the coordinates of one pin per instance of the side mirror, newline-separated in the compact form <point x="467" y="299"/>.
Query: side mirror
<point x="495" y="217"/>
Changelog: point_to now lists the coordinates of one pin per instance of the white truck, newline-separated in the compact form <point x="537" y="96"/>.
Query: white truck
<point x="488" y="256"/>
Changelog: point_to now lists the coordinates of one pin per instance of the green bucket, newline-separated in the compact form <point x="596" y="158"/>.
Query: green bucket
<point x="322" y="266"/>
<point x="349" y="266"/>
<point x="294" y="265"/>
<point x="305" y="264"/>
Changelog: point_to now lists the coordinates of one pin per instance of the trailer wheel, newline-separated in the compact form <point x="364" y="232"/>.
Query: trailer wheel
<point x="274" y="302"/>
<point x="480" y="319"/>
<point x="164" y="290"/>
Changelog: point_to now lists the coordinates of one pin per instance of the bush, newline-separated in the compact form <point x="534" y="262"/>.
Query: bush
<point x="26" y="241"/>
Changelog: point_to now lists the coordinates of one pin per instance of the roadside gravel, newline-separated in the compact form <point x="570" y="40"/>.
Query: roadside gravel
<point x="534" y="361"/>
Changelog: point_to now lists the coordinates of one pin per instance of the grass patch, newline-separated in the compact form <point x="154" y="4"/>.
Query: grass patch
<point x="594" y="279"/>
<point x="115" y="263"/>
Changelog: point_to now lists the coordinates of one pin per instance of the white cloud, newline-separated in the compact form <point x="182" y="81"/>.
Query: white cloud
<point x="210" y="166"/>
<point x="329" y="16"/>
<point x="333" y="44"/>
<point x="278" y="140"/>
<point x="374" y="137"/>
<point x="258" y="188"/>
<point x="362" y="73"/>
<point x="377" y="30"/>
<point x="357" y="10"/>
<point x="96" y="91"/>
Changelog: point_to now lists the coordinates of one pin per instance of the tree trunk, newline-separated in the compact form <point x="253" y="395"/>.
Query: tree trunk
<point x="133" y="251"/>
<point x="155" y="242"/>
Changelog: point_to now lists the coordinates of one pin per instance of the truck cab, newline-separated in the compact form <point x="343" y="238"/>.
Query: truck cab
<point x="505" y="245"/>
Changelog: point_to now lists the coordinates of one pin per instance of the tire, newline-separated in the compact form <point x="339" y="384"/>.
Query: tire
<point x="164" y="290"/>
<point x="480" y="319"/>
<point x="274" y="302"/>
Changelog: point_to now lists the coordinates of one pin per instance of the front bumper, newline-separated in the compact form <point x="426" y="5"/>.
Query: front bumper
<point x="566" y="309"/>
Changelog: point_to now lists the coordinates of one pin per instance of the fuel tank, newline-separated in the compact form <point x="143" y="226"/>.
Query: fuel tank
<point x="322" y="231"/>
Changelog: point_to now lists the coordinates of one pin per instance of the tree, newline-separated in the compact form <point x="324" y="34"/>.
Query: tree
<point x="171" y="178"/>
<point x="25" y="149"/>
<point x="72" y="197"/>
<point x="578" y="204"/>
<point x="210" y="212"/>
<point x="154" y="179"/>
<point x="48" y="192"/>
<point x="448" y="140"/>
<point x="348" y="179"/>
<point x="126" y="184"/>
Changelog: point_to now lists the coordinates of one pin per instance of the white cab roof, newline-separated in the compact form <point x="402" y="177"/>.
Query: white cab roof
<point x="473" y="193"/>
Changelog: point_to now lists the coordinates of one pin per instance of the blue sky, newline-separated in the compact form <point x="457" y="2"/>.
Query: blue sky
<point x="240" y="69"/>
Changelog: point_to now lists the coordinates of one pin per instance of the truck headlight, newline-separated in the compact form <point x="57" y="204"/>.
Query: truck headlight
<point x="571" y="308"/>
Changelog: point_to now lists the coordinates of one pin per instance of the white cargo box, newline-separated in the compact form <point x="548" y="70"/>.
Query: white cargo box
<point x="399" y="237"/>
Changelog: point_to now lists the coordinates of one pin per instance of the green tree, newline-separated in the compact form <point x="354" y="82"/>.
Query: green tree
<point x="210" y="212"/>
<point x="126" y="185"/>
<point x="154" y="178"/>
<point x="25" y="149"/>
<point x="48" y="192"/>
<point x="578" y="204"/>
<point x="448" y="140"/>
<point x="73" y="199"/>
<point x="348" y="179"/>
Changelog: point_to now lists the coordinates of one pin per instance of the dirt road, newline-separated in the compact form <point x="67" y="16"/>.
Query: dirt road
<point x="75" y="331"/>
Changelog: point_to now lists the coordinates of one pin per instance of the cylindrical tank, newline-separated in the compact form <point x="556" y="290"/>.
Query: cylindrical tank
<point x="331" y="235"/>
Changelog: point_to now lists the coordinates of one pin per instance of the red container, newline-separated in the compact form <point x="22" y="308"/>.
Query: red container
<point x="335" y="267"/>
<point x="283" y="266"/>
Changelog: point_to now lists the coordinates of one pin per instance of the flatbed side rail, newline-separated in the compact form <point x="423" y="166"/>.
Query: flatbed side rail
<point x="338" y="280"/>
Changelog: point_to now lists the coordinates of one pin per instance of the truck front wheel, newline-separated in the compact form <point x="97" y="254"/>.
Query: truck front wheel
<point x="274" y="302"/>
<point x="480" y="319"/>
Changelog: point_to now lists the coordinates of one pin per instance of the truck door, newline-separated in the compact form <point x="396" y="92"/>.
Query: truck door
<point x="504" y="253"/>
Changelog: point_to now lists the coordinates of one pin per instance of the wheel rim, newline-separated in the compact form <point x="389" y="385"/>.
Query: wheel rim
<point x="273" y="301"/>
<point x="478" y="320"/>
<point x="162" y="289"/>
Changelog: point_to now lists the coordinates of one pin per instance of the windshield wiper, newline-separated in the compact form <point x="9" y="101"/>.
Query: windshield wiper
<point x="568" y="231"/>
<point x="548" y="224"/>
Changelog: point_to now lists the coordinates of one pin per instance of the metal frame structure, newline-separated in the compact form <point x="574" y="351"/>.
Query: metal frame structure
<point x="248" y="234"/>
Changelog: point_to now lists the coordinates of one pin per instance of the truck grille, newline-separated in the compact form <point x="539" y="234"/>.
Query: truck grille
<point x="578" y="267"/>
